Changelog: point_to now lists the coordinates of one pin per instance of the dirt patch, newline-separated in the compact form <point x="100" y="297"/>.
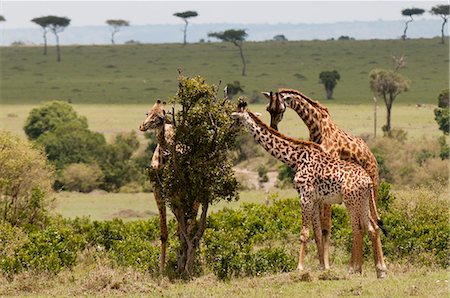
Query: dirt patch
<point x="251" y="179"/>
<point x="128" y="213"/>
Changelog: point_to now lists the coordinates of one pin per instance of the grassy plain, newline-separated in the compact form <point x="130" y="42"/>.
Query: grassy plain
<point x="124" y="74"/>
<point x="357" y="119"/>
<point x="104" y="281"/>
<point x="106" y="206"/>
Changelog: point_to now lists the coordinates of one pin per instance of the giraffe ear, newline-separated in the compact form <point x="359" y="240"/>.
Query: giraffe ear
<point x="266" y="94"/>
<point x="234" y="115"/>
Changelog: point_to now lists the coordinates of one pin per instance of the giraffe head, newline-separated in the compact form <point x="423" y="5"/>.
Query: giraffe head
<point x="241" y="115"/>
<point x="276" y="108"/>
<point x="155" y="117"/>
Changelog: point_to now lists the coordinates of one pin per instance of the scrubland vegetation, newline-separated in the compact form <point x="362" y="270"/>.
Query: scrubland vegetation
<point x="248" y="249"/>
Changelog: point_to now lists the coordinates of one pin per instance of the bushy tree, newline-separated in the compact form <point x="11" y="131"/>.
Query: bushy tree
<point x="236" y="37"/>
<point x="56" y="25"/>
<point x="329" y="80"/>
<point x="72" y="143"/>
<point x="25" y="182"/>
<point x="49" y="116"/>
<point x="442" y="117"/>
<point x="2" y="18"/>
<point x="66" y="138"/>
<point x="116" y="25"/>
<point x="233" y="89"/>
<point x="198" y="170"/>
<point x="443" y="12"/>
<point x="410" y="12"/>
<point x="185" y="16"/>
<point x="387" y="84"/>
<point x="118" y="166"/>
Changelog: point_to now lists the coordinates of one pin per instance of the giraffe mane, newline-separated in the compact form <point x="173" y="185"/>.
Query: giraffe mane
<point x="279" y="134"/>
<point x="312" y="102"/>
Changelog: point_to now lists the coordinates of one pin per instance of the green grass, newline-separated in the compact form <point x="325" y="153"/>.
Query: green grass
<point x="124" y="74"/>
<point x="356" y="119"/>
<point x="106" y="206"/>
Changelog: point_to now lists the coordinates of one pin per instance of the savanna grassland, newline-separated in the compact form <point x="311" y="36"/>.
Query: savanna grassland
<point x="113" y="86"/>
<point x="130" y="74"/>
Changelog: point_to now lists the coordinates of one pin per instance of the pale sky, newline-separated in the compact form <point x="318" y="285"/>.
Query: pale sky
<point x="19" y="13"/>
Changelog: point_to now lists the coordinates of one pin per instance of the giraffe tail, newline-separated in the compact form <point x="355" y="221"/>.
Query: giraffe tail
<point x="382" y="227"/>
<point x="375" y="215"/>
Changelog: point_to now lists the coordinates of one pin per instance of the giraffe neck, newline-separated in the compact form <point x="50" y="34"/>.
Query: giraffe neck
<point x="311" y="116"/>
<point x="161" y="137"/>
<point x="279" y="146"/>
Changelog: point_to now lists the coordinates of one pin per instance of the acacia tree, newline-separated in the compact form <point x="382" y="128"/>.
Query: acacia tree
<point x="410" y="12"/>
<point x="198" y="171"/>
<point x="185" y="16"/>
<point x="329" y="80"/>
<point x="2" y="18"/>
<point x="43" y="22"/>
<point x="443" y="12"/>
<point x="57" y="25"/>
<point x="387" y="84"/>
<point x="235" y="36"/>
<point x="116" y="25"/>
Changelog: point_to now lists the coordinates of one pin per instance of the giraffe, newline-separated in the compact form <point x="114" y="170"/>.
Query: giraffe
<point x="156" y="120"/>
<point x="332" y="139"/>
<point x="322" y="178"/>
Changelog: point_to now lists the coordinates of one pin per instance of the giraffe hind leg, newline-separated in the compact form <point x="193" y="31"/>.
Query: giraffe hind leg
<point x="164" y="234"/>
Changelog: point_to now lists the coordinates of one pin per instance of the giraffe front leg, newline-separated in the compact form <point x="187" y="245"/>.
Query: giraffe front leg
<point x="164" y="234"/>
<point x="307" y="213"/>
<point x="317" y="228"/>
<point x="326" y="233"/>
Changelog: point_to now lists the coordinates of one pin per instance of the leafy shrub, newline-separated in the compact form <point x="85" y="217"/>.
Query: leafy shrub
<point x="50" y="249"/>
<point x="418" y="228"/>
<point x="81" y="177"/>
<point x="49" y="116"/>
<point x="411" y="163"/>
<point x="25" y="182"/>
<point x="12" y="240"/>
<point x="252" y="240"/>
<point x="262" y="173"/>
<point x="118" y="166"/>
<point x="71" y="143"/>
<point x="285" y="175"/>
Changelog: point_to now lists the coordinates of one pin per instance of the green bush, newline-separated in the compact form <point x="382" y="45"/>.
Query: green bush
<point x="50" y="249"/>
<point x="262" y="173"/>
<point x="285" y="175"/>
<point x="25" y="182"/>
<point x="71" y="143"/>
<point x="49" y="116"/>
<point x="12" y="240"/>
<point x="418" y="228"/>
<point x="81" y="177"/>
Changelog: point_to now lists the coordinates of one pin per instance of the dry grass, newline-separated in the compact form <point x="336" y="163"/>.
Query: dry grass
<point x="101" y="279"/>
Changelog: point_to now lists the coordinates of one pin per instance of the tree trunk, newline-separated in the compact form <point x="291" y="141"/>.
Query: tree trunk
<point x="58" y="52"/>
<point x="243" y="60"/>
<point x="184" y="32"/>
<point x="112" y="38"/>
<point x="190" y="234"/>
<point x="45" y="43"/>
<point x="442" y="31"/>
<point x="388" y="113"/>
<point x="329" y="93"/>
<point x="406" y="28"/>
